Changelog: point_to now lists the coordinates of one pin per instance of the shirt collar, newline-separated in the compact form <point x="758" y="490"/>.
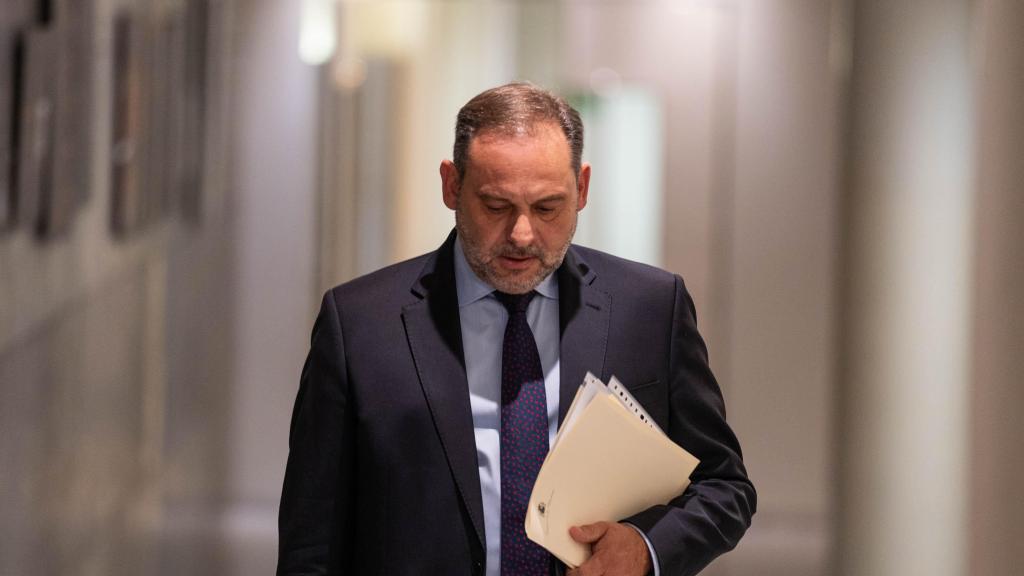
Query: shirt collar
<point x="471" y="288"/>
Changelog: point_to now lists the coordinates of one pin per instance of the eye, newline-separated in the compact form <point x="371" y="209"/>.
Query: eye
<point x="496" y="208"/>
<point x="545" y="209"/>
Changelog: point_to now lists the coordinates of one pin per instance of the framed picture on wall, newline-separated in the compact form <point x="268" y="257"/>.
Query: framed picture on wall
<point x="73" y="21"/>
<point x="15" y="16"/>
<point x="36" y="126"/>
<point x="127" y="208"/>
<point x="190" y="178"/>
<point x="7" y="79"/>
<point x="160" y="92"/>
<point x="166" y="108"/>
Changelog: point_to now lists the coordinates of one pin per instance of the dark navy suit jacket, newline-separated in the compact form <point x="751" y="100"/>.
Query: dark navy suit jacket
<point x="382" y="473"/>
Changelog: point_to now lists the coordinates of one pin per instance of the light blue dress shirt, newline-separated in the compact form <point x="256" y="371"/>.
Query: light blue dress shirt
<point x="483" y="320"/>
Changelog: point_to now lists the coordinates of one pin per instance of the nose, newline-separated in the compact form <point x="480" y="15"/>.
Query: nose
<point x="522" y="231"/>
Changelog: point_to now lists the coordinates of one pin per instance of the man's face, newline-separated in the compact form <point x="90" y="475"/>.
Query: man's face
<point x="515" y="208"/>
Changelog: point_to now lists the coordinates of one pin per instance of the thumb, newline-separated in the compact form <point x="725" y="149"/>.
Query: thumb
<point x="588" y="533"/>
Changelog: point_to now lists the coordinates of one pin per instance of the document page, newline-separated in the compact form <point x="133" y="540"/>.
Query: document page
<point x="607" y="463"/>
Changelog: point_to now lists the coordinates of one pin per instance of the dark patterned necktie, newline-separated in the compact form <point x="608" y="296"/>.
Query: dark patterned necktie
<point x="524" y="438"/>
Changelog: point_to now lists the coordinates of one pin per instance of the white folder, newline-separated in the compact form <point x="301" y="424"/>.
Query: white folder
<point x="608" y="461"/>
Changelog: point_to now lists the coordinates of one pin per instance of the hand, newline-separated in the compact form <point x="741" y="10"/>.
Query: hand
<point x="619" y="550"/>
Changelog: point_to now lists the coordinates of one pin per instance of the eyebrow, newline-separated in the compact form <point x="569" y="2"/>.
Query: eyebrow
<point x="553" y="197"/>
<point x="557" y="196"/>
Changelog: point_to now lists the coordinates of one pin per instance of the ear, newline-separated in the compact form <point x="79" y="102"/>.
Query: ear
<point x="449" y="183"/>
<point x="582" y="186"/>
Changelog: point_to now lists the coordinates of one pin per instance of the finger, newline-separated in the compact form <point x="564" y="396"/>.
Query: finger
<point x="592" y="567"/>
<point x="588" y="533"/>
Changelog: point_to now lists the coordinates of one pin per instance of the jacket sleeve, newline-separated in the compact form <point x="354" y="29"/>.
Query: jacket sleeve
<point x="313" y="523"/>
<point x="709" y="518"/>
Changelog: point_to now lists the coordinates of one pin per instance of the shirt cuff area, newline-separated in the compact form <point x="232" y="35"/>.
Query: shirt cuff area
<point x="650" y="548"/>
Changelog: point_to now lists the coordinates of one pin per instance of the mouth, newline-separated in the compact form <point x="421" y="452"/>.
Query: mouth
<point x="517" y="262"/>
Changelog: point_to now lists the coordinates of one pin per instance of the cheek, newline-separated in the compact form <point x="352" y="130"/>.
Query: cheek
<point x="480" y="221"/>
<point x="488" y="231"/>
<point x="555" y="232"/>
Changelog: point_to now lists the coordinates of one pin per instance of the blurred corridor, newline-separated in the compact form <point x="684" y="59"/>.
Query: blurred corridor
<point x="838" y="183"/>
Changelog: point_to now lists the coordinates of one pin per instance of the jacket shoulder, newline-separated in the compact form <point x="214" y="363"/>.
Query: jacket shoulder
<point x="386" y="285"/>
<point x="614" y="272"/>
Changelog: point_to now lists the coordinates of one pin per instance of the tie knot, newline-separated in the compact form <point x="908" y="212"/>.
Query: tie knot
<point x="515" y="303"/>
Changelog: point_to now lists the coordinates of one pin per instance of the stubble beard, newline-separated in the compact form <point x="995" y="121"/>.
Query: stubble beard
<point x="484" y="262"/>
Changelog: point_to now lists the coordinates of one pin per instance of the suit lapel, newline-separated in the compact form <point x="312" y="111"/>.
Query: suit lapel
<point x="435" y="339"/>
<point x="584" y="313"/>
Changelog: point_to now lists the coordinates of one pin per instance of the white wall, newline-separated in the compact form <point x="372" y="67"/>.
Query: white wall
<point x="903" y="442"/>
<point x="783" y="279"/>
<point x="997" y="462"/>
<point x="273" y="178"/>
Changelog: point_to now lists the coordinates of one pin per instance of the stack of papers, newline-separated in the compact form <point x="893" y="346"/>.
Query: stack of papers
<point x="608" y="462"/>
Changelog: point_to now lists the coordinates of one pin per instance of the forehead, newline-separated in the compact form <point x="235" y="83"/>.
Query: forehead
<point x="543" y="130"/>
<point x="537" y="147"/>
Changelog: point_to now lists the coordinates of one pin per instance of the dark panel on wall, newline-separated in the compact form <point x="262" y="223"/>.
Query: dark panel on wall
<point x="194" y="114"/>
<point x="127" y="212"/>
<point x="45" y="110"/>
<point x="159" y="121"/>
<point x="166" y="111"/>
<point x="36" y="125"/>
<point x="74" y="23"/>
<point x="16" y="14"/>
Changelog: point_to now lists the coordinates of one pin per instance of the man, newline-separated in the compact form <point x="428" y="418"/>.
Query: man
<point x="433" y="387"/>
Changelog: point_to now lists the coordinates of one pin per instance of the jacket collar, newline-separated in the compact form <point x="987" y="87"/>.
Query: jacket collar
<point x="434" y="334"/>
<point x="584" y="313"/>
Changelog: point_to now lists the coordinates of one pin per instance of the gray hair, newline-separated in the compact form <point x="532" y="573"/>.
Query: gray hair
<point x="514" y="109"/>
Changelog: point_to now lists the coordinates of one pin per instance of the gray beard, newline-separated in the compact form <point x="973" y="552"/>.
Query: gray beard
<point x="482" y="262"/>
